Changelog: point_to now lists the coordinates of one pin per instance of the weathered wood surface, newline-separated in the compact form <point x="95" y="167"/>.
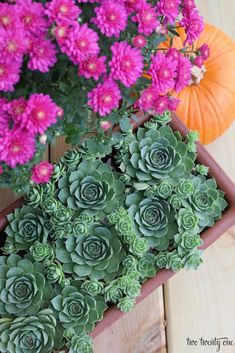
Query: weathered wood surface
<point x="200" y="304"/>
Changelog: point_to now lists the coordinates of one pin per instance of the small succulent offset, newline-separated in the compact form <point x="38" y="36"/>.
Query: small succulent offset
<point x="90" y="237"/>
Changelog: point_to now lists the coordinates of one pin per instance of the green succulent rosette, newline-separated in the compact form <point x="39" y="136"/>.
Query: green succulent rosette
<point x="91" y="187"/>
<point x="34" y="334"/>
<point x="161" y="260"/>
<point x="164" y="190"/>
<point x="54" y="273"/>
<point x="71" y="157"/>
<point x="49" y="205"/>
<point x="146" y="266"/>
<point x="130" y="262"/>
<point x="155" y="154"/>
<point x="97" y="255"/>
<point x="23" y="287"/>
<point x="153" y="219"/>
<point x="93" y="288"/>
<point x="187" y="242"/>
<point x="26" y="225"/>
<point x="174" y="261"/>
<point x="193" y="261"/>
<point x="185" y="188"/>
<point x="41" y="252"/>
<point x="59" y="169"/>
<point x="175" y="201"/>
<point x="113" y="292"/>
<point x="207" y="201"/>
<point x="126" y="304"/>
<point x="187" y="221"/>
<point x="81" y="344"/>
<point x="33" y="198"/>
<point x="76" y="309"/>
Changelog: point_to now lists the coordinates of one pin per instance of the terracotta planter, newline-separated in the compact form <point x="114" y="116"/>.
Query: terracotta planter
<point x="209" y="236"/>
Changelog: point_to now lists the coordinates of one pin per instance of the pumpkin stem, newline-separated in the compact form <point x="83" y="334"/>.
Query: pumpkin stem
<point x="197" y="74"/>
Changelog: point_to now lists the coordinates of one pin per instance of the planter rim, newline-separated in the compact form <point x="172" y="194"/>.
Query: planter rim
<point x="209" y="236"/>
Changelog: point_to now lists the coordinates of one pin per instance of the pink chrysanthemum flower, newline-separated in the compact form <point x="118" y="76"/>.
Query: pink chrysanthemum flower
<point x="161" y="104"/>
<point x="204" y="50"/>
<point x="193" y="25"/>
<point x="173" y="53"/>
<point x="61" y="32"/>
<point x="4" y="117"/>
<point x="18" y="147"/>
<point x="147" y="99"/>
<point x="183" y="73"/>
<point x="198" y="61"/>
<point x="13" y="44"/>
<point x="147" y="20"/>
<point x="134" y="5"/>
<point x="173" y="103"/>
<point x="188" y="5"/>
<point x="42" y="55"/>
<point x="9" y="16"/>
<point x="139" y="41"/>
<point x="32" y="15"/>
<point x="126" y="64"/>
<point x="93" y="66"/>
<point x="9" y="74"/>
<point x="41" y="112"/>
<point x="85" y="1"/>
<point x="81" y="43"/>
<point x="169" y="9"/>
<point x="62" y="10"/>
<point x="111" y="18"/>
<point x="42" y="172"/>
<point x="16" y="109"/>
<point x="105" y="97"/>
<point x="163" y="72"/>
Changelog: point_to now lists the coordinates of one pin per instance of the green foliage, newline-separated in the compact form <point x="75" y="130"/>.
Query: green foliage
<point x="78" y="310"/>
<point x="93" y="235"/>
<point x="23" y="287"/>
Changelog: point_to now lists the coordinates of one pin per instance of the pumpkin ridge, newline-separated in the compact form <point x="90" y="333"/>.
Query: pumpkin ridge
<point x="203" y="128"/>
<point x="221" y="85"/>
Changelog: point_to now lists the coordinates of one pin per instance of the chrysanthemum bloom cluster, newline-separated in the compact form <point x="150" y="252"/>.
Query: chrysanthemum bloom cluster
<point x="23" y="31"/>
<point x="124" y="61"/>
<point x="21" y="123"/>
<point x="109" y="64"/>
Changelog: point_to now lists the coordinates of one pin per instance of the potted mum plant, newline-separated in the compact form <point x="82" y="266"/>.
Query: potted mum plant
<point x="79" y="68"/>
<point x="104" y="226"/>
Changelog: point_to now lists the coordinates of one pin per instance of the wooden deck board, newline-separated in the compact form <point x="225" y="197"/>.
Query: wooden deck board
<point x="200" y="304"/>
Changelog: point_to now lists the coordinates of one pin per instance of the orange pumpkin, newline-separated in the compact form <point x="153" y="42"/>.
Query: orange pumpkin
<point x="209" y="107"/>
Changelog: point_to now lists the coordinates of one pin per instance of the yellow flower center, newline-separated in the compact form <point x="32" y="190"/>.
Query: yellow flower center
<point x="5" y="20"/>
<point x="2" y="70"/>
<point x="40" y="115"/>
<point x="63" y="9"/>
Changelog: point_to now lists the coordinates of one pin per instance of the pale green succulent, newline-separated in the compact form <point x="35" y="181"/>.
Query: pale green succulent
<point x="81" y="344"/>
<point x="154" y="155"/>
<point x="207" y="201"/>
<point x="34" y="334"/>
<point x="187" y="242"/>
<point x="97" y="255"/>
<point x="23" y="286"/>
<point x="26" y="225"/>
<point x="153" y="219"/>
<point x="76" y="309"/>
<point x="91" y="187"/>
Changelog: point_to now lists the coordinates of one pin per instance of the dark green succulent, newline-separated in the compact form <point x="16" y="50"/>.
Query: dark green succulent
<point x="33" y="197"/>
<point x="113" y="292"/>
<point x="23" y="287"/>
<point x="91" y="187"/>
<point x="161" y="260"/>
<point x="34" y="334"/>
<point x="185" y="188"/>
<point x="49" y="204"/>
<point x="54" y="273"/>
<point x="78" y="310"/>
<point x="155" y="154"/>
<point x="207" y="201"/>
<point x="98" y="255"/>
<point x="193" y="261"/>
<point x="153" y="219"/>
<point x="26" y="225"/>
